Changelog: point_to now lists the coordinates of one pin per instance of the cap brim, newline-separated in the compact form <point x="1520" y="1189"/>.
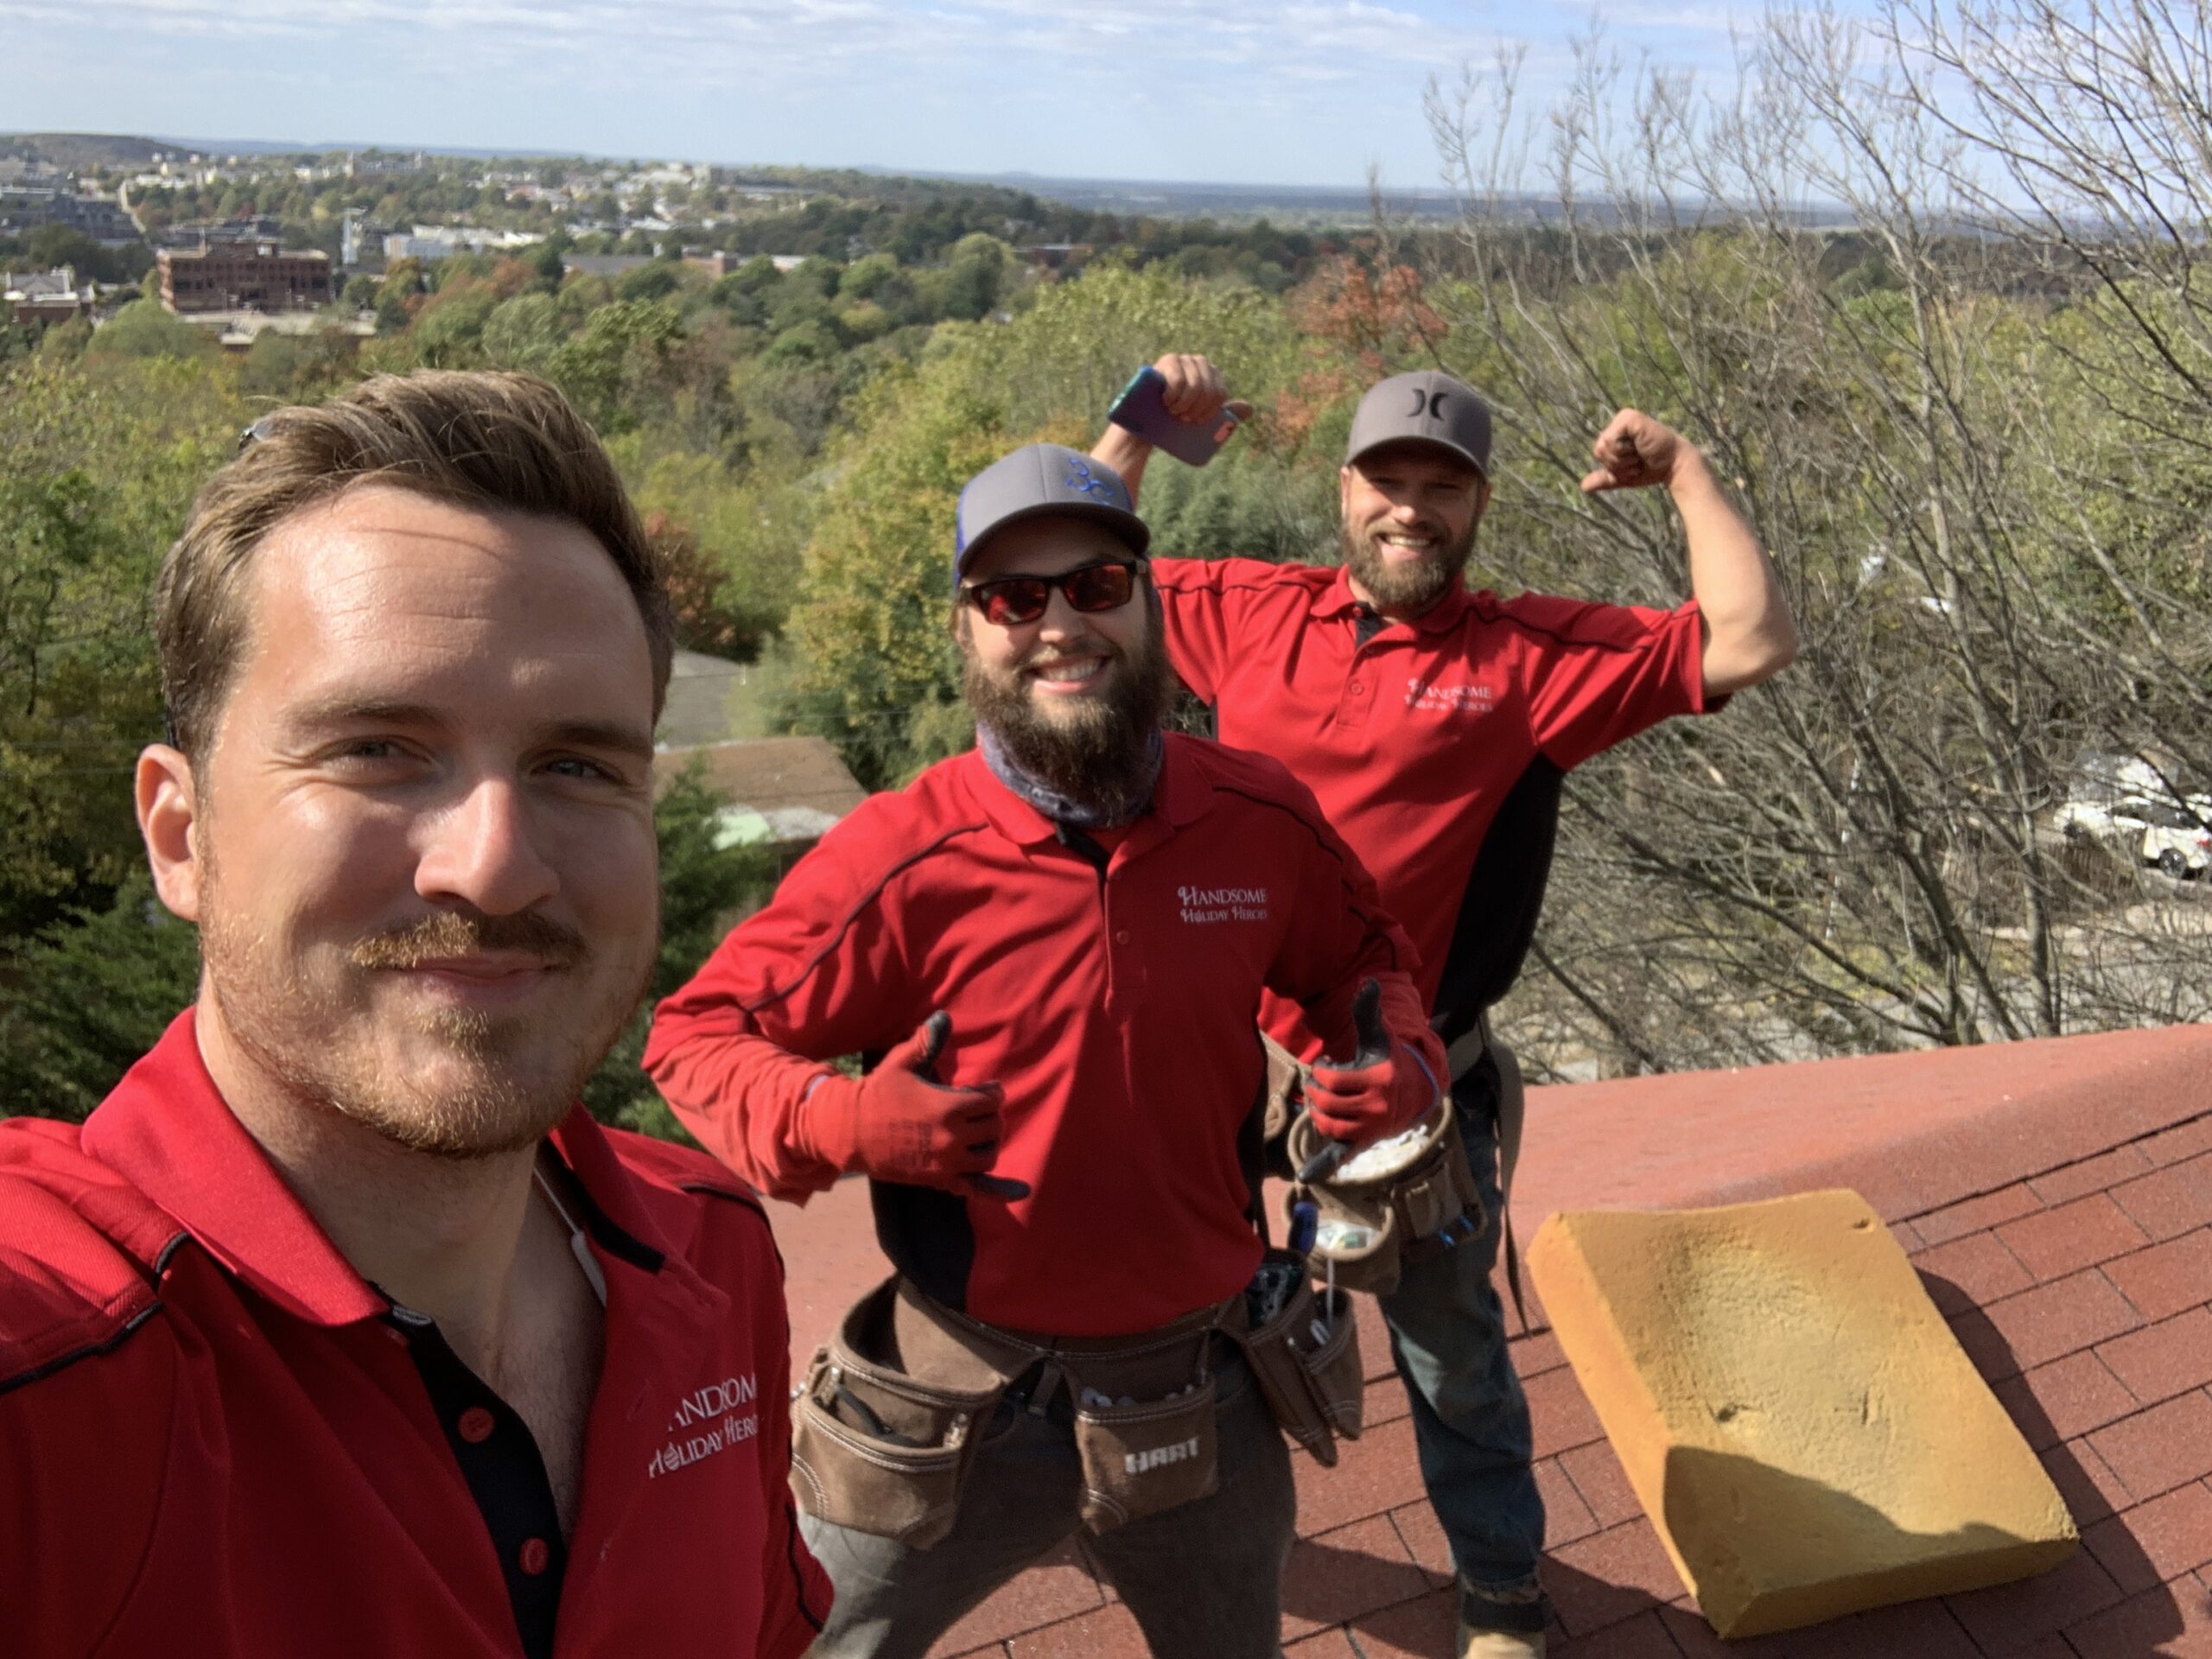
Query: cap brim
<point x="1411" y="439"/>
<point x="1134" y="532"/>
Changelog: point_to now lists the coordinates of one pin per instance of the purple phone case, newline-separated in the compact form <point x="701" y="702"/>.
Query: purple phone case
<point x="1142" y="408"/>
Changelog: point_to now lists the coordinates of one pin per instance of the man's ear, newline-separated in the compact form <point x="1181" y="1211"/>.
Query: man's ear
<point x="169" y="814"/>
<point x="1343" y="490"/>
<point x="1482" y="496"/>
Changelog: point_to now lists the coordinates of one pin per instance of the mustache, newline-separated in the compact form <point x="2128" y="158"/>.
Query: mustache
<point x="1435" y="533"/>
<point x="448" y="933"/>
<point x="1044" y="656"/>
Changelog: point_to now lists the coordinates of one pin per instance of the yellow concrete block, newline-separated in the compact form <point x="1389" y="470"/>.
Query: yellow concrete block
<point x="1803" y="1430"/>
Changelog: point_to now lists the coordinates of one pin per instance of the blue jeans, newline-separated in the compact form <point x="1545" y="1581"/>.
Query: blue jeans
<point x="1471" y="1420"/>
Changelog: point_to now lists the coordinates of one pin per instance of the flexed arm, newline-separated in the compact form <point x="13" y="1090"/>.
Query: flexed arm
<point x="1749" y="635"/>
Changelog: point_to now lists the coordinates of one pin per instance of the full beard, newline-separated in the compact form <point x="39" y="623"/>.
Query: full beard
<point x="1410" y="585"/>
<point x="501" y="1082"/>
<point x="1097" y="752"/>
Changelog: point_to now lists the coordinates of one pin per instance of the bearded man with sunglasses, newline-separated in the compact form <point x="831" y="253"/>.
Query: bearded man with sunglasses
<point x="1062" y="940"/>
<point x="1435" y="725"/>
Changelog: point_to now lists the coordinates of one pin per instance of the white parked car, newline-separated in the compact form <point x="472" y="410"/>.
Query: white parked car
<point x="2176" y="838"/>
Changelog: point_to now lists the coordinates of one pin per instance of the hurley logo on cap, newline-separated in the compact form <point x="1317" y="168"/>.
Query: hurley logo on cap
<point x="1080" y="477"/>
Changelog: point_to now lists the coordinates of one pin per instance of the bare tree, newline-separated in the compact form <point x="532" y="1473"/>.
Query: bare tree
<point x="1933" y="400"/>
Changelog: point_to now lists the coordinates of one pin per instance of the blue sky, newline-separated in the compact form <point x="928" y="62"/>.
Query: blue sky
<point x="1301" y="91"/>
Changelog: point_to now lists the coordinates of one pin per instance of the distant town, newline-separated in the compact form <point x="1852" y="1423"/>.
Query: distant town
<point x="239" y="244"/>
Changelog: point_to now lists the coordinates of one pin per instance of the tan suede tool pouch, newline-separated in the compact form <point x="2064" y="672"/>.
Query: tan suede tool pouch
<point x="1144" y="1420"/>
<point x="1305" y="1355"/>
<point x="882" y="1435"/>
<point x="1369" y="1228"/>
<point x="1139" y="1459"/>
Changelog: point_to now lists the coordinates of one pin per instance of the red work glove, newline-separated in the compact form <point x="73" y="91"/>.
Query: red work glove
<point x="898" y="1123"/>
<point x="1381" y="1090"/>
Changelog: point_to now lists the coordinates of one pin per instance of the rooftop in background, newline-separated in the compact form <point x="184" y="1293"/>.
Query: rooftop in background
<point x="780" y="789"/>
<point x="704" y="694"/>
<point x="2056" y="1198"/>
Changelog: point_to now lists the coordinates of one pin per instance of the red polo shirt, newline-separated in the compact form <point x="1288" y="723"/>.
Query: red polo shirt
<point x="217" y="1438"/>
<point x="1112" y="995"/>
<point x="1411" y="740"/>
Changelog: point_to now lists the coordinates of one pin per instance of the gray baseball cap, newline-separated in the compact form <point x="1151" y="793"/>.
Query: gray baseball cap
<point x="1426" y="406"/>
<point x="1043" y="478"/>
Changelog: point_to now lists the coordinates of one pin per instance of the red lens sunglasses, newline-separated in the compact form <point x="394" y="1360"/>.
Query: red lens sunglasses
<point x="1012" y="600"/>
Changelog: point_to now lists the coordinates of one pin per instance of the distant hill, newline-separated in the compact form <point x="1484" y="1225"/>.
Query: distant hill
<point x="68" y="150"/>
<point x="1155" y="198"/>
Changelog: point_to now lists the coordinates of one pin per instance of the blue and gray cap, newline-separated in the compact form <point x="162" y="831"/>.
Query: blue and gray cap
<point x="1040" y="479"/>
<point x="1427" y="406"/>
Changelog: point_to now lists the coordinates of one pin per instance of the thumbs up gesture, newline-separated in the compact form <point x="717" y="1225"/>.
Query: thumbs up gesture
<point x="1380" y="1090"/>
<point x="898" y="1123"/>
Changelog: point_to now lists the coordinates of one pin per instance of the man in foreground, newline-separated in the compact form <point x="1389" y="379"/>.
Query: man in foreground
<point x="339" y="1328"/>
<point x="1058" y="942"/>
<point x="1422" y="715"/>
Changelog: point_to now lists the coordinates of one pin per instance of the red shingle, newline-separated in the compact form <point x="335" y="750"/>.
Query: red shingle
<point x="1412" y="1629"/>
<point x="2155" y="1542"/>
<point x="1561" y="1416"/>
<point x="1567" y="1517"/>
<point x="1057" y="1587"/>
<point x="2091" y="1490"/>
<point x="2181" y="1142"/>
<point x="1111" y="1632"/>
<point x="2162" y="1360"/>
<point x="2066" y="1398"/>
<point x="1422" y="1534"/>
<point x="2073" y="1236"/>
<point x="1378" y="1472"/>
<point x="1345" y="1573"/>
<point x="1643" y="1636"/>
<point x="1385" y="1403"/>
<point x="2058" y="1318"/>
<point x="1973" y="1216"/>
<point x="1598" y="1476"/>
<point x="1971" y="1271"/>
<point x="2009" y="1616"/>
<point x="1534" y="1356"/>
<point x="2090" y="1175"/>
<point x="2170" y="1201"/>
<point x="1610" y="1577"/>
<point x="2166" y="1278"/>
<point x="2158" y="1450"/>
<point x="1912" y="1629"/>
<point x="2172" y="1622"/>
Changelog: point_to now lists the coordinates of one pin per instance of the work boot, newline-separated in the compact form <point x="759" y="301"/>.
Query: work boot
<point x="1500" y="1644"/>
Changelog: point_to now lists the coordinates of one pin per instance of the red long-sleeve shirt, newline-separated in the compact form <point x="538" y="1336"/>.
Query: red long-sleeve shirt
<point x="1115" y="1004"/>
<point x="217" y="1440"/>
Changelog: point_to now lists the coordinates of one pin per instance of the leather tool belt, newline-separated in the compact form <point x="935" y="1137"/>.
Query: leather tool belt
<point x="885" y="1424"/>
<point x="1370" y="1229"/>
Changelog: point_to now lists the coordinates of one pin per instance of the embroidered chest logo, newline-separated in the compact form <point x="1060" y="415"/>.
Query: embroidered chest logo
<point x="1204" y="906"/>
<point x="707" y="1421"/>
<point x="1432" y="699"/>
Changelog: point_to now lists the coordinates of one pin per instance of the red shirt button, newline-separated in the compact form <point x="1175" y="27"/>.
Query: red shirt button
<point x="535" y="1556"/>
<point x="1121" y="937"/>
<point x="475" y="1424"/>
<point x="1356" y="688"/>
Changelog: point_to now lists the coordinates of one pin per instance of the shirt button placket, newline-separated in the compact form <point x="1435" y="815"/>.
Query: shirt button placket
<point x="1359" y="700"/>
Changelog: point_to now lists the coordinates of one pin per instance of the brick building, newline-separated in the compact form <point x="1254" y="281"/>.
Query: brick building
<point x="255" y="277"/>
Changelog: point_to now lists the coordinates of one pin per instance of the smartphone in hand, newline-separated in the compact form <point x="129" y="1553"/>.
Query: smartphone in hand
<point x="1142" y="408"/>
